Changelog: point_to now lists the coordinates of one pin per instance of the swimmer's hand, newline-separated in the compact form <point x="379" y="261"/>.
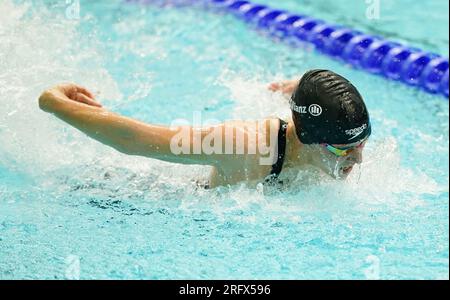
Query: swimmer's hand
<point x="287" y="87"/>
<point x="64" y="93"/>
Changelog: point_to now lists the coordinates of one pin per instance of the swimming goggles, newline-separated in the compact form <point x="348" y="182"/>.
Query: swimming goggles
<point x="344" y="151"/>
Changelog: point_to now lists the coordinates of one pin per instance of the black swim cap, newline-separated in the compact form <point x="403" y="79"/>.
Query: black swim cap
<point x="327" y="108"/>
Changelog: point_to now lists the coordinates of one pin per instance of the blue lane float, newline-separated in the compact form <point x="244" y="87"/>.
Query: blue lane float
<point x="374" y="54"/>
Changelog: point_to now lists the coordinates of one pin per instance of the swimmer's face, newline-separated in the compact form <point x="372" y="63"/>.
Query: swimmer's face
<point x="338" y="167"/>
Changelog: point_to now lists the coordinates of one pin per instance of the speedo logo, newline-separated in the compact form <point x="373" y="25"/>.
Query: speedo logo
<point x="314" y="109"/>
<point x="355" y="132"/>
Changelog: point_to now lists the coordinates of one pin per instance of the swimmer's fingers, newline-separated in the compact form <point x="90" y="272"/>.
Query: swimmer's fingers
<point x="71" y="90"/>
<point x="84" y="91"/>
<point x="286" y="87"/>
<point x="79" y="94"/>
<point x="274" y="86"/>
<point x="80" y="97"/>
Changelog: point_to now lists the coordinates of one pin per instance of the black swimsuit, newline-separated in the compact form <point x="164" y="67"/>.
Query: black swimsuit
<point x="278" y="166"/>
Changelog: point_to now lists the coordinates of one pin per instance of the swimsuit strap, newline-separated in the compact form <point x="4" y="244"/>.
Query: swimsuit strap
<point x="278" y="166"/>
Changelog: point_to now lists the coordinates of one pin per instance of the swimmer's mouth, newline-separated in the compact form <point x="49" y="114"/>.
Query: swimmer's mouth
<point x="347" y="170"/>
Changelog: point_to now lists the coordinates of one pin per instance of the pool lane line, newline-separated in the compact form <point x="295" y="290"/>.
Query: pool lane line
<point x="374" y="54"/>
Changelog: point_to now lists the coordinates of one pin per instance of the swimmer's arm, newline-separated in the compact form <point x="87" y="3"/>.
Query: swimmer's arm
<point x="77" y="107"/>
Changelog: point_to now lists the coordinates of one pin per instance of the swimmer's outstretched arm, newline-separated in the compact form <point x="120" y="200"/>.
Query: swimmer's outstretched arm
<point x="77" y="106"/>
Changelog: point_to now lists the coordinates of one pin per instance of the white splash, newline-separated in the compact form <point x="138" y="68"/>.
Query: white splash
<point x="37" y="52"/>
<point x="40" y="52"/>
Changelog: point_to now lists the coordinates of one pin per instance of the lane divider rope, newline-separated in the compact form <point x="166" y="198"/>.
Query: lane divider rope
<point x="374" y="54"/>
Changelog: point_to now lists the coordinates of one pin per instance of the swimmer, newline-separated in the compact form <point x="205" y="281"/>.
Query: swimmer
<point x="329" y="128"/>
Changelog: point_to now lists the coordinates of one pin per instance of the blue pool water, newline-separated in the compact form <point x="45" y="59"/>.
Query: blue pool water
<point x="73" y="208"/>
